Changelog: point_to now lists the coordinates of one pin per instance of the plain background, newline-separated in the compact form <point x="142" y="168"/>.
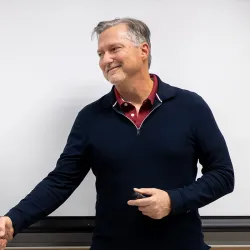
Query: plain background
<point x="49" y="72"/>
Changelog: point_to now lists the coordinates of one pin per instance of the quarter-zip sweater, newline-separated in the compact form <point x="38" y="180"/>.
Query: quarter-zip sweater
<point x="163" y="153"/>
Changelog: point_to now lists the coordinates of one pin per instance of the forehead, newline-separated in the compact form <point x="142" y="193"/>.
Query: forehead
<point x="113" y="35"/>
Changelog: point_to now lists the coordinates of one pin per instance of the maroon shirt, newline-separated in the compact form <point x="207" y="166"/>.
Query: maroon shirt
<point x="129" y="109"/>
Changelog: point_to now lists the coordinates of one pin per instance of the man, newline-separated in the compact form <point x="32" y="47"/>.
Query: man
<point x="144" y="136"/>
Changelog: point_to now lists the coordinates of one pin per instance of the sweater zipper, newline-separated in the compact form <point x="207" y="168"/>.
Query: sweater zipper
<point x="138" y="129"/>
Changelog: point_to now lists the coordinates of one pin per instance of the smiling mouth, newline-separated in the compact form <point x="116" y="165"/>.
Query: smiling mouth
<point x="113" y="68"/>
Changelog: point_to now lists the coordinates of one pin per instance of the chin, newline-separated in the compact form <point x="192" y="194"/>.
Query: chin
<point x="116" y="79"/>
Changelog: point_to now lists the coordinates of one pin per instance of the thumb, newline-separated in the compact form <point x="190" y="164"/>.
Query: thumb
<point x="146" y="191"/>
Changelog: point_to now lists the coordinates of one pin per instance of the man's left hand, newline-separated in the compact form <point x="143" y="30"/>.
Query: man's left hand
<point x="156" y="206"/>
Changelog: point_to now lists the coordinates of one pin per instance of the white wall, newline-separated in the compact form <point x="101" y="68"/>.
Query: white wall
<point x="49" y="71"/>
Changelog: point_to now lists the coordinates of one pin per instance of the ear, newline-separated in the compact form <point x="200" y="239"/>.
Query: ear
<point x="144" y="50"/>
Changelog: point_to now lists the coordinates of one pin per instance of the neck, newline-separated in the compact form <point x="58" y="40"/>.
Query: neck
<point x="136" y="89"/>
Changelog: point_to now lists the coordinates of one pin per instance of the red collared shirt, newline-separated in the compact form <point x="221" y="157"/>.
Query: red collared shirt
<point x="129" y="109"/>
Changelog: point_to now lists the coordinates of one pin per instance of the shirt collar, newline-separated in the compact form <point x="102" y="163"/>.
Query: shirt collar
<point x="151" y="96"/>
<point x="164" y="93"/>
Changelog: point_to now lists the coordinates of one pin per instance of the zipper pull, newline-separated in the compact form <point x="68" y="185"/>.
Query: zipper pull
<point x="138" y="131"/>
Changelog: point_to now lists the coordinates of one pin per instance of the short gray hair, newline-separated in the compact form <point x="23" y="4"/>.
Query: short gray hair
<point x="138" y="31"/>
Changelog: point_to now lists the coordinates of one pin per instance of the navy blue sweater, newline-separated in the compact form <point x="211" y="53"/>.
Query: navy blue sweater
<point x="163" y="153"/>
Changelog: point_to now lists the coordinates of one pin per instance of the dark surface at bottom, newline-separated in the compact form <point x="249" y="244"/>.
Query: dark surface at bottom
<point x="77" y="231"/>
<point x="84" y="239"/>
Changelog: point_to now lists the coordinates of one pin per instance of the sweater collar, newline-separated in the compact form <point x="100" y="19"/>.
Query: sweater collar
<point x="165" y="92"/>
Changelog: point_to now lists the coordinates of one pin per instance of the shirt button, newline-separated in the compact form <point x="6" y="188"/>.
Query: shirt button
<point x="125" y="104"/>
<point x="133" y="115"/>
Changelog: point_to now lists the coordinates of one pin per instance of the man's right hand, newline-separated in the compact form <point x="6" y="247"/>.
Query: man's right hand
<point x="6" y="231"/>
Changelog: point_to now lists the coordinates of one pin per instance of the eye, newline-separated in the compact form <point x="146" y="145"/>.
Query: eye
<point x="116" y="49"/>
<point x="100" y="55"/>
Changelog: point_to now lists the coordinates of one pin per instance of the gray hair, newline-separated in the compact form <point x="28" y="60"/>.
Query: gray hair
<point x="138" y="31"/>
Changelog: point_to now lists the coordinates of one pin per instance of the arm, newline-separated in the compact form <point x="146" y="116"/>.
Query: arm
<point x="71" y="168"/>
<point x="217" y="174"/>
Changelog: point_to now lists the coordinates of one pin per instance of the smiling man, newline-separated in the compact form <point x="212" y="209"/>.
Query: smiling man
<point x="144" y="136"/>
<point x="125" y="62"/>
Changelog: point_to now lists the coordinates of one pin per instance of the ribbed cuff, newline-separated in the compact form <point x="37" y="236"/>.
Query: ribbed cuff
<point x="176" y="201"/>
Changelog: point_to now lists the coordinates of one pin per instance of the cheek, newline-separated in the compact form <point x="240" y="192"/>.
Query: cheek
<point x="121" y="58"/>
<point x="101" y="65"/>
<point x="130" y="63"/>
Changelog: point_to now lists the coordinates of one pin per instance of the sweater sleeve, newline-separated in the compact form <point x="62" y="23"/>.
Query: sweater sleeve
<point x="71" y="168"/>
<point x="217" y="177"/>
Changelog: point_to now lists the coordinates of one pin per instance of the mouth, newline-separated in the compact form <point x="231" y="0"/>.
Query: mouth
<point x="111" y="69"/>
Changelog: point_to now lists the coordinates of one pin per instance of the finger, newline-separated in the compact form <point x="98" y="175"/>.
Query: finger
<point x="2" y="231"/>
<point x="4" y="243"/>
<point x="147" y="191"/>
<point x="149" y="214"/>
<point x="140" y="202"/>
<point x="9" y="235"/>
<point x="146" y="209"/>
<point x="152" y="215"/>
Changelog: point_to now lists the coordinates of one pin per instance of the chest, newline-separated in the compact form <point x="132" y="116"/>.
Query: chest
<point x="162" y="133"/>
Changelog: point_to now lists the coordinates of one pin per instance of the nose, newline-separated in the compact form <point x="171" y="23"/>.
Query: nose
<point x="106" y="59"/>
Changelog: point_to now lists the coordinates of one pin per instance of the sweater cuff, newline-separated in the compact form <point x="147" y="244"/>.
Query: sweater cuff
<point x="176" y="199"/>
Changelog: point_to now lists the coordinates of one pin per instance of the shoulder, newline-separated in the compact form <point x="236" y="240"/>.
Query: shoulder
<point x="94" y="108"/>
<point x="191" y="99"/>
<point x="196" y="107"/>
<point x="182" y="96"/>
